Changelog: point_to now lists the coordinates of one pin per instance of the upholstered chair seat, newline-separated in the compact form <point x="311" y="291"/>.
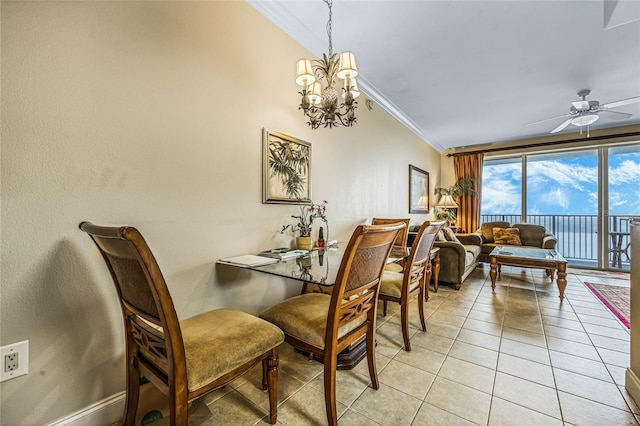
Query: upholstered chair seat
<point x="305" y="318"/>
<point x="391" y="284"/>
<point x="231" y="346"/>
<point x="394" y="267"/>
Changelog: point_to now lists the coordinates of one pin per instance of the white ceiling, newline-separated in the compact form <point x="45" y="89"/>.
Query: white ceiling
<point x="461" y="73"/>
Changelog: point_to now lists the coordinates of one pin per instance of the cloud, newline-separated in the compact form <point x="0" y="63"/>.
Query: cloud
<point x="627" y="172"/>
<point x="556" y="197"/>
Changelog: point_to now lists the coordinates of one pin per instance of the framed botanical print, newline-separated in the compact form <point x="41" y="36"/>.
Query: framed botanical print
<point x="286" y="169"/>
<point x="418" y="190"/>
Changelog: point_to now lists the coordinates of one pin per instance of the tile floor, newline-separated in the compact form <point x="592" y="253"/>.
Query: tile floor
<point x="514" y="357"/>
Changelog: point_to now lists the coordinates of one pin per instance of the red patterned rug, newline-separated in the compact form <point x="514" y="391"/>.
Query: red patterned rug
<point x="616" y="298"/>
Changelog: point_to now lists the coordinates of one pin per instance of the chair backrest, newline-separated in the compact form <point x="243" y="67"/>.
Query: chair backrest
<point x="423" y="243"/>
<point x="150" y="319"/>
<point x="401" y="239"/>
<point x="358" y="281"/>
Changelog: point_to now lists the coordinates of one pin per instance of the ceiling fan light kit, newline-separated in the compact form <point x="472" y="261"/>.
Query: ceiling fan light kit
<point x="584" y="113"/>
<point x="320" y="104"/>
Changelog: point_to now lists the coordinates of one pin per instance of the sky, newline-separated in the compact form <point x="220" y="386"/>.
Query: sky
<point x="563" y="184"/>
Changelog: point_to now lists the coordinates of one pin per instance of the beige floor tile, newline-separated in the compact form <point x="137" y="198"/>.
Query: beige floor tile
<point x="590" y="388"/>
<point x="580" y="411"/>
<point x="606" y="322"/>
<point x="353" y="418"/>
<point x="612" y="344"/>
<point x="431" y="340"/>
<point x="590" y="368"/>
<point x="525" y="369"/>
<point x="298" y="365"/>
<point x="252" y="389"/>
<point x="630" y="402"/>
<point x="524" y="336"/>
<point x="483" y="326"/>
<point x="389" y="339"/>
<point x="429" y="415"/>
<point x="387" y="406"/>
<point x="565" y="333"/>
<point x="614" y="357"/>
<point x="563" y="323"/>
<point x="443" y="329"/>
<point x="507" y="413"/>
<point x="468" y="374"/>
<point x="235" y="409"/>
<point x="618" y="374"/>
<point x="406" y="378"/>
<point x="573" y="348"/>
<point x="601" y="312"/>
<point x="447" y="318"/>
<point x="618" y="332"/>
<point x="525" y="350"/>
<point x="527" y="394"/>
<point x="479" y="339"/>
<point x="349" y="385"/>
<point x="363" y="368"/>
<point x="305" y="407"/>
<point x="475" y="354"/>
<point x="424" y="359"/>
<point x="491" y="317"/>
<point x="447" y="395"/>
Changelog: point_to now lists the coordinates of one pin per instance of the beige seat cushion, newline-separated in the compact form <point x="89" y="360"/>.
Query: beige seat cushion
<point x="393" y="267"/>
<point x="391" y="284"/>
<point x="305" y="318"/>
<point x="219" y="341"/>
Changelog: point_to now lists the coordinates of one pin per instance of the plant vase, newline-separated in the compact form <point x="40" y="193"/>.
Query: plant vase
<point x="304" y="243"/>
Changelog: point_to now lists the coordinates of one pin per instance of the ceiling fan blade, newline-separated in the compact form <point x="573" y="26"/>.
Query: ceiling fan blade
<point x="548" y="119"/>
<point x="622" y="102"/>
<point x="562" y="126"/>
<point x="617" y="112"/>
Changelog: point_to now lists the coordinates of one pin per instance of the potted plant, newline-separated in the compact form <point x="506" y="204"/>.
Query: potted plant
<point x="308" y="213"/>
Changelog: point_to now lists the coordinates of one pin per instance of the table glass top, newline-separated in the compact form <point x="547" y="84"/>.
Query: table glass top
<point x="527" y="253"/>
<point x="317" y="267"/>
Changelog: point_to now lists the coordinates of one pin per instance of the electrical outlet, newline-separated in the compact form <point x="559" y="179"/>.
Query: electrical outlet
<point x="15" y="360"/>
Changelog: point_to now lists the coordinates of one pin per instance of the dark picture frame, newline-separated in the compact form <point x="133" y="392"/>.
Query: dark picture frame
<point x="418" y="190"/>
<point x="286" y="169"/>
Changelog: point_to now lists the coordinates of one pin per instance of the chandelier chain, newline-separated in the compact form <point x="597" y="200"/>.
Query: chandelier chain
<point x="329" y="3"/>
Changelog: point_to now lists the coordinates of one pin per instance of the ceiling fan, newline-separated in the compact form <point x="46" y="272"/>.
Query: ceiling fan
<point x="584" y="112"/>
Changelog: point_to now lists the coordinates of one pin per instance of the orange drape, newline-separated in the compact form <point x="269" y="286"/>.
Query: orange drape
<point x="469" y="166"/>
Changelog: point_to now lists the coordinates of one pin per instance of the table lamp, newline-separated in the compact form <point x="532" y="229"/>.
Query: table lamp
<point x="446" y="202"/>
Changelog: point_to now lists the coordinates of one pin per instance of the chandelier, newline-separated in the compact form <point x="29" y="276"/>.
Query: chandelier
<point x="321" y="102"/>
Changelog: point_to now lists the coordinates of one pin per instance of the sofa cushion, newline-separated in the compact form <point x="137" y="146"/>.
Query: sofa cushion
<point x="471" y="255"/>
<point x="531" y="235"/>
<point x="508" y="236"/>
<point x="486" y="230"/>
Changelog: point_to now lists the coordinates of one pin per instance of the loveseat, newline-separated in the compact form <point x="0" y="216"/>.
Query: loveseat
<point x="529" y="235"/>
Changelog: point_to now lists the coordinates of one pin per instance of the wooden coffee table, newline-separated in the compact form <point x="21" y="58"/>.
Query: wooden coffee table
<point x="549" y="260"/>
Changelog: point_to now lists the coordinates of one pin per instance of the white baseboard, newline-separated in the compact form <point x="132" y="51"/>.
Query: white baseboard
<point x="102" y="413"/>
<point x="632" y="385"/>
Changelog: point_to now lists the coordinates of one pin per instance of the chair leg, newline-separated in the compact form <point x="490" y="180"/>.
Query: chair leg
<point x="404" y="321"/>
<point x="270" y="379"/>
<point x="133" y="394"/>
<point x="371" y="356"/>
<point x="421" y="309"/>
<point x="384" y="308"/>
<point x="330" y="367"/>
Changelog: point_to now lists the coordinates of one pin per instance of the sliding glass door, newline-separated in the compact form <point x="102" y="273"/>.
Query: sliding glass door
<point x="585" y="197"/>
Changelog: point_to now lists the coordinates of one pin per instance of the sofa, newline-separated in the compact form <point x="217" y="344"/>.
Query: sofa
<point x="530" y="236"/>
<point x="458" y="257"/>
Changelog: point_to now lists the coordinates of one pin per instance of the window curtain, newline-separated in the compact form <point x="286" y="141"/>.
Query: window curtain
<point x="469" y="166"/>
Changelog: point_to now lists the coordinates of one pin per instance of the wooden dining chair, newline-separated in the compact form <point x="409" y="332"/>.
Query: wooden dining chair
<point x="403" y="287"/>
<point x="400" y="242"/>
<point x="183" y="359"/>
<point x="324" y="324"/>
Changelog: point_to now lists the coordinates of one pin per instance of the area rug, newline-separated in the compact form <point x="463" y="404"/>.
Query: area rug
<point x="616" y="298"/>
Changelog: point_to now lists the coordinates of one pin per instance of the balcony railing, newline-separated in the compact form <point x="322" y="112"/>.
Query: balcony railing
<point x="577" y="235"/>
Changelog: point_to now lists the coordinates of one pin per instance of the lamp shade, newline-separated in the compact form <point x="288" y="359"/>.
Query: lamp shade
<point x="353" y="85"/>
<point x="304" y="73"/>
<point x="315" y="95"/>
<point x="585" y="120"/>
<point x="447" y="201"/>
<point x="347" y="66"/>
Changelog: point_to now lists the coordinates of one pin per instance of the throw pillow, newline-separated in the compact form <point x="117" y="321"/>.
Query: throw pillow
<point x="449" y="234"/>
<point x="507" y="236"/>
<point x="440" y="236"/>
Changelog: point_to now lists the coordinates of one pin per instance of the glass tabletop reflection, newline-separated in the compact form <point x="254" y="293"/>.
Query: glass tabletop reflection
<point x="318" y="267"/>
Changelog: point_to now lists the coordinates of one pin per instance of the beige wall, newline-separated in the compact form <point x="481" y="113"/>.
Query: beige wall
<point x="150" y="114"/>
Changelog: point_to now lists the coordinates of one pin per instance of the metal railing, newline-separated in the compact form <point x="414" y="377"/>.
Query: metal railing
<point x="577" y="235"/>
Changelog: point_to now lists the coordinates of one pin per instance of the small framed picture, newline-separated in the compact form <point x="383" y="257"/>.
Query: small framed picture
<point x="418" y="190"/>
<point x="286" y="169"/>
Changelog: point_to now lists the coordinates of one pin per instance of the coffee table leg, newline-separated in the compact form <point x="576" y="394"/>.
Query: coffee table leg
<point x="493" y="273"/>
<point x="562" y="279"/>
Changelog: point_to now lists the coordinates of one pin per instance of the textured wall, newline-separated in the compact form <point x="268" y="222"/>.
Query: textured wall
<point x="150" y="114"/>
